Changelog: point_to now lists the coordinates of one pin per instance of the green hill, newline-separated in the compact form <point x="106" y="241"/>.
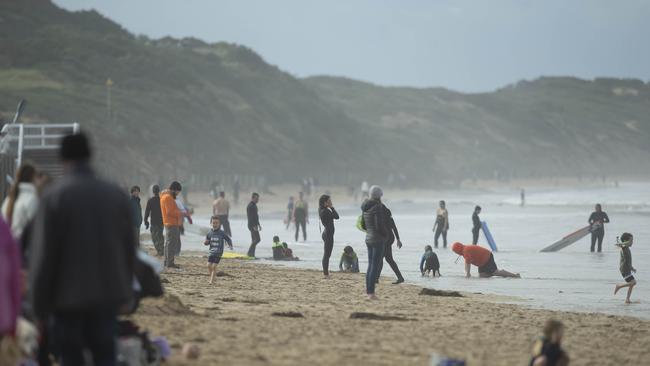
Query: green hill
<point x="185" y="108"/>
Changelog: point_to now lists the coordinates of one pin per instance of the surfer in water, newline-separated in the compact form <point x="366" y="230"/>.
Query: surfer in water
<point x="597" y="220"/>
<point x="483" y="259"/>
<point x="476" y="224"/>
<point x="442" y="225"/>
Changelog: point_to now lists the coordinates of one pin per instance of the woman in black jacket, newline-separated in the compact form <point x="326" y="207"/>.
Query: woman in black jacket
<point x="327" y="215"/>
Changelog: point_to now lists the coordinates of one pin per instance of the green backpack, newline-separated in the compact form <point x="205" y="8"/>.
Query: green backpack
<point x="361" y="225"/>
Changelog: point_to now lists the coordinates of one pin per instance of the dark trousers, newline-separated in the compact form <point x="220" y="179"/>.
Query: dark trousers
<point x="439" y="231"/>
<point x="158" y="239"/>
<point x="92" y="330"/>
<point x="388" y="254"/>
<point x="225" y="223"/>
<point x="375" y="262"/>
<point x="475" y="235"/>
<point x="597" y="235"/>
<point x="328" y="240"/>
<point x="255" y="239"/>
<point x="303" y="223"/>
<point x="172" y="244"/>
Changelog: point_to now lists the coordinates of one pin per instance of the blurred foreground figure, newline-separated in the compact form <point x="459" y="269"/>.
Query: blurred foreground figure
<point x="548" y="351"/>
<point x="83" y="250"/>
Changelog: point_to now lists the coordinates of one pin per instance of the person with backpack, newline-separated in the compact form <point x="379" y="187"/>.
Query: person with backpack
<point x="327" y="215"/>
<point x="375" y="222"/>
<point x="301" y="216"/>
<point x="429" y="262"/>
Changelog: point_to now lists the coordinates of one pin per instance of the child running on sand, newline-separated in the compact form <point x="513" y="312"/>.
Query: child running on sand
<point x="548" y="349"/>
<point x="429" y="262"/>
<point x="215" y="239"/>
<point x="349" y="260"/>
<point x="626" y="265"/>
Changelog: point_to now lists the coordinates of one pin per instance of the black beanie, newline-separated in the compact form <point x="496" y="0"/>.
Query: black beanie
<point x="75" y="148"/>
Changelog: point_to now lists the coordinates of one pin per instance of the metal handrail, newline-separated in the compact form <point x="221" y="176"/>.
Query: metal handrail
<point x="23" y="134"/>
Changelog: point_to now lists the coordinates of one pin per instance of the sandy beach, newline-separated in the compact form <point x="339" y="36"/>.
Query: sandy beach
<point x="242" y="320"/>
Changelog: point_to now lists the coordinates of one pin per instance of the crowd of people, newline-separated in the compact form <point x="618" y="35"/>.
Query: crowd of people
<point x="73" y="288"/>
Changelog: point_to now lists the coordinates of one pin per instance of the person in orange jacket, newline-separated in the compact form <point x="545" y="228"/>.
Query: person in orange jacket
<point x="172" y="220"/>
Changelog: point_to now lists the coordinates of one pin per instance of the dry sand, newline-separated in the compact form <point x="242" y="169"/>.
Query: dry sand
<point x="232" y="322"/>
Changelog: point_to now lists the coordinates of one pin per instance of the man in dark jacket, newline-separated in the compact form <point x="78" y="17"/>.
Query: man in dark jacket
<point x="153" y="209"/>
<point x="253" y="223"/>
<point x="377" y="234"/>
<point x="83" y="252"/>
<point x="476" y="224"/>
<point x="136" y="210"/>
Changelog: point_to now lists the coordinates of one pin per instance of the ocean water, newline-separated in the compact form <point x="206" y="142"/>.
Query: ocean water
<point x="572" y="279"/>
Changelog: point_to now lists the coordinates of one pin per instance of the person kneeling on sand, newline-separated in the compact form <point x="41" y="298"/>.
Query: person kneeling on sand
<point x="288" y="253"/>
<point x="215" y="239"/>
<point x="349" y="260"/>
<point x="429" y="262"/>
<point x="281" y="251"/>
<point x="626" y="265"/>
<point x="483" y="259"/>
<point x="548" y="349"/>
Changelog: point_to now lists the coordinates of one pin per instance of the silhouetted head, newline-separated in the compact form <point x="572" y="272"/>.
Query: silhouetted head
<point x="442" y="204"/>
<point x="627" y="239"/>
<point x="477" y="209"/>
<point x="276" y="239"/>
<point x="135" y="191"/>
<point x="175" y="188"/>
<point x="222" y="194"/>
<point x="427" y="248"/>
<point x="155" y="189"/>
<point x="599" y="208"/>
<point x="75" y="148"/>
<point x="255" y="197"/>
<point x="323" y="201"/>
<point x="348" y="250"/>
<point x="553" y="330"/>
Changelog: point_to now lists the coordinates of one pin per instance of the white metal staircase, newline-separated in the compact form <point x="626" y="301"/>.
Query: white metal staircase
<point x="36" y="143"/>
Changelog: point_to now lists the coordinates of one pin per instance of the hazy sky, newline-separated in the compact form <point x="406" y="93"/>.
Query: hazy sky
<point x="464" y="45"/>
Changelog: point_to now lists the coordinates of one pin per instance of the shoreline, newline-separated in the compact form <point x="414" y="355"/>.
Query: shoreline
<point x="232" y="321"/>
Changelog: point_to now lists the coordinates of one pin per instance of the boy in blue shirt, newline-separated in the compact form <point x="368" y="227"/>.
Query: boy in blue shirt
<point x="215" y="239"/>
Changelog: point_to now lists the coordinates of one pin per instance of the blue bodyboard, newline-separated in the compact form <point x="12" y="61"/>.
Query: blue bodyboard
<point x="488" y="236"/>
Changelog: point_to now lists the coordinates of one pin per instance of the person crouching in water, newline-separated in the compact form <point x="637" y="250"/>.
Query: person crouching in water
<point x="626" y="265"/>
<point x="483" y="259"/>
<point x="215" y="240"/>
<point x="429" y="262"/>
<point x="349" y="261"/>
<point x="548" y="349"/>
<point x="281" y="250"/>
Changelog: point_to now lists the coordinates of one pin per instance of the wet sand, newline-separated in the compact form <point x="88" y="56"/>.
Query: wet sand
<point x="233" y="322"/>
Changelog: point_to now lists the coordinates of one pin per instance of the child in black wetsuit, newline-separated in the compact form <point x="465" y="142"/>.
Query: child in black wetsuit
<point x="548" y="349"/>
<point x="626" y="265"/>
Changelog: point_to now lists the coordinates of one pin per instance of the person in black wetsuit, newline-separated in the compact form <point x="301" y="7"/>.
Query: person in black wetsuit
<point x="388" y="253"/>
<point x="476" y="224"/>
<point x="327" y="215"/>
<point x="301" y="216"/>
<point x="597" y="220"/>
<point x="253" y="223"/>
<point x="442" y="225"/>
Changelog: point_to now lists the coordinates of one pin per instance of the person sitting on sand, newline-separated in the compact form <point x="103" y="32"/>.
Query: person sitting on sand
<point x="288" y="253"/>
<point x="429" y="262"/>
<point x="278" y="248"/>
<point x="626" y="265"/>
<point x="349" y="260"/>
<point x="483" y="259"/>
<point x="548" y="349"/>
<point x="215" y="239"/>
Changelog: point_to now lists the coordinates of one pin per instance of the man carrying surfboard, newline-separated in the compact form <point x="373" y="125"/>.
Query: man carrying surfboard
<point x="597" y="220"/>
<point x="483" y="259"/>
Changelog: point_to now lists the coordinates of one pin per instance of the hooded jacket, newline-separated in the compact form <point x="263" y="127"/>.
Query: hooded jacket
<point x="171" y="215"/>
<point x="375" y="219"/>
